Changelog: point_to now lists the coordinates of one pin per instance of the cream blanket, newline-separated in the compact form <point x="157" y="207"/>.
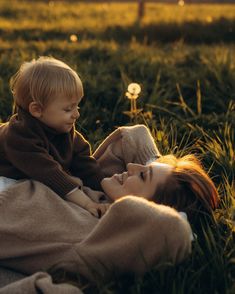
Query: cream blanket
<point x="39" y="230"/>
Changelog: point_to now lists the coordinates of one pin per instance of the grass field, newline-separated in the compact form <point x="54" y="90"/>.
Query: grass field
<point x="184" y="60"/>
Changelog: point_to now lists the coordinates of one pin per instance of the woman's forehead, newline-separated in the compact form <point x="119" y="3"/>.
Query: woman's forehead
<point x="159" y="164"/>
<point x="159" y="168"/>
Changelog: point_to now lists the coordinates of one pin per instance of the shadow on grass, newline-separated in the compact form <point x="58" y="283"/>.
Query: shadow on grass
<point x="222" y="30"/>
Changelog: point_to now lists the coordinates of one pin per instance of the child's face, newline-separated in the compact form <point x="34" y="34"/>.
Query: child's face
<point x="61" y="114"/>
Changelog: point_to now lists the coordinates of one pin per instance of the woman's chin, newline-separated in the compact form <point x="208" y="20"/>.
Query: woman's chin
<point x="111" y="188"/>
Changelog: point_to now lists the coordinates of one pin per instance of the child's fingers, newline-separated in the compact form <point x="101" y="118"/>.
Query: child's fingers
<point x="94" y="211"/>
<point x="98" y="210"/>
<point x="102" y="208"/>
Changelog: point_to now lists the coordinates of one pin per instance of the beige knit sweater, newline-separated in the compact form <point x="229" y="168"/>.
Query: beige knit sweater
<point x="39" y="230"/>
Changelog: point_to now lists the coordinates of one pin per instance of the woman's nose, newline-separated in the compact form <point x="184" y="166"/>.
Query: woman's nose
<point x="132" y="168"/>
<point x="129" y="168"/>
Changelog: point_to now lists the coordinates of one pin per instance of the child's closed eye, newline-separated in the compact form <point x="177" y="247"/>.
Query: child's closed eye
<point x="71" y="109"/>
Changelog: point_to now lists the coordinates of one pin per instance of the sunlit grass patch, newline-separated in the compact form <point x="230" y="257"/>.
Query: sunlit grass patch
<point x="161" y="23"/>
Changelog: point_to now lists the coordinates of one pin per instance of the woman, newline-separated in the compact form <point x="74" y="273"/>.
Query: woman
<point x="39" y="230"/>
<point x="178" y="182"/>
<point x="181" y="183"/>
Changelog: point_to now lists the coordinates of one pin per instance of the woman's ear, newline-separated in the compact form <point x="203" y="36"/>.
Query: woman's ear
<point x="35" y="109"/>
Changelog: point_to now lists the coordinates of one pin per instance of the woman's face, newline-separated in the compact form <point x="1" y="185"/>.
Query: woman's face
<point x="139" y="180"/>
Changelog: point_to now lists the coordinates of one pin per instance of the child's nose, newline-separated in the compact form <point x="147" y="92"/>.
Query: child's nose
<point x="76" y="114"/>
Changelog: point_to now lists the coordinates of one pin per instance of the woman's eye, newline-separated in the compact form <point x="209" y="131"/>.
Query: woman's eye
<point x="142" y="175"/>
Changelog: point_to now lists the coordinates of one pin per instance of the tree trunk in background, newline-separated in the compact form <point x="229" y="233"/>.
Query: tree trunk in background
<point x="141" y="4"/>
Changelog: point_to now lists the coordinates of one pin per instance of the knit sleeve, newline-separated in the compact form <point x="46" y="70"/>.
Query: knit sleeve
<point x="28" y="154"/>
<point x="84" y="165"/>
<point x="138" y="144"/>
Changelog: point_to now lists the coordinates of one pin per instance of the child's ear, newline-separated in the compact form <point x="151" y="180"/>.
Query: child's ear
<point x="35" y="109"/>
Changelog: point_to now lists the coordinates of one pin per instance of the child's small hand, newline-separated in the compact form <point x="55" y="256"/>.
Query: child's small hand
<point x="97" y="209"/>
<point x="80" y="198"/>
<point x="96" y="196"/>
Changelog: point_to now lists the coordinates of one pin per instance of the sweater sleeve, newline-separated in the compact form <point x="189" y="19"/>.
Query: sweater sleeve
<point x="84" y="165"/>
<point x="29" y="155"/>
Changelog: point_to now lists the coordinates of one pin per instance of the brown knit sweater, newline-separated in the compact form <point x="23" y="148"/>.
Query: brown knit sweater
<point x="30" y="149"/>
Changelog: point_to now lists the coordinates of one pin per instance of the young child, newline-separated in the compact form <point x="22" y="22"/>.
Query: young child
<point x="40" y="141"/>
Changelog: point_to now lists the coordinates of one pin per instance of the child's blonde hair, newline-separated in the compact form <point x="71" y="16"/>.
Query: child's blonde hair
<point x="42" y="80"/>
<point x="188" y="188"/>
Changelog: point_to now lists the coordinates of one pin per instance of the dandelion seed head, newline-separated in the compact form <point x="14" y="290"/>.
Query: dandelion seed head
<point x="181" y="3"/>
<point x="128" y="95"/>
<point x="134" y="89"/>
<point x="73" y="38"/>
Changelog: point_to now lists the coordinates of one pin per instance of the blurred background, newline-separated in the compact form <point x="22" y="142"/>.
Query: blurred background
<point x="171" y="48"/>
<point x="182" y="54"/>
